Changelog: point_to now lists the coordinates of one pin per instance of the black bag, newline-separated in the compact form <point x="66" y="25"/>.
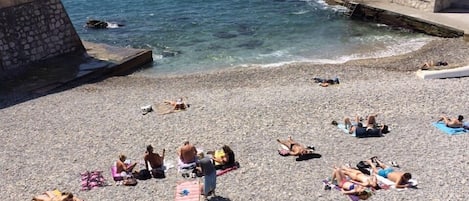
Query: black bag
<point x="363" y="167"/>
<point x="143" y="175"/>
<point x="158" y="173"/>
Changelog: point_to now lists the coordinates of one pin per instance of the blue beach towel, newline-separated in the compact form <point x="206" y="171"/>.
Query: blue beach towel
<point x="450" y="131"/>
<point x="345" y="130"/>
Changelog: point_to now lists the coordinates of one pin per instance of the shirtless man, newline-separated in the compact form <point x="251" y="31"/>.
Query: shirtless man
<point x="453" y="123"/>
<point x="401" y="179"/>
<point x="296" y="149"/>
<point x="187" y="153"/>
<point x="153" y="160"/>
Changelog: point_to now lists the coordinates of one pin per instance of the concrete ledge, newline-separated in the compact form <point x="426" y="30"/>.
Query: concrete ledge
<point x="444" y="73"/>
<point x="370" y="13"/>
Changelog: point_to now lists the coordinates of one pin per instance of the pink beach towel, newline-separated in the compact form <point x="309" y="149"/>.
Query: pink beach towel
<point x="188" y="190"/>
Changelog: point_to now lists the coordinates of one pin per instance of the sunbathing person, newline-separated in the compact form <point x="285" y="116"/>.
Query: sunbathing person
<point x="326" y="82"/>
<point x="123" y="167"/>
<point x="360" y="178"/>
<point x="401" y="179"/>
<point x="453" y="122"/>
<point x="371" y="128"/>
<point x="348" y="187"/>
<point x="295" y="148"/>
<point x="179" y="104"/>
<point x="224" y="158"/>
<point x="428" y="65"/>
<point x="187" y="153"/>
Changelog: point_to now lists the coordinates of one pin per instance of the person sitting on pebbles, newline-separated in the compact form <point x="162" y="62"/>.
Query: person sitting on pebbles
<point x="294" y="148"/>
<point x="124" y="167"/>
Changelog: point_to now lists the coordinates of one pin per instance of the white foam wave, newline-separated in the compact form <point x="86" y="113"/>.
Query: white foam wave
<point x="397" y="49"/>
<point x="111" y="25"/>
<point x="300" y="12"/>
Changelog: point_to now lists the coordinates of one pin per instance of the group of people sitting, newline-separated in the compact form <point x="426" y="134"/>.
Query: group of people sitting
<point x="189" y="159"/>
<point x="355" y="182"/>
<point x="153" y="164"/>
<point x="370" y="128"/>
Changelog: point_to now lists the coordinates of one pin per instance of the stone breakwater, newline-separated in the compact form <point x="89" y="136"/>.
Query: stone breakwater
<point x="32" y="31"/>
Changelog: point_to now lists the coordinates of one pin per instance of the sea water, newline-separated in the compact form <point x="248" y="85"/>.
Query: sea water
<point x="219" y="34"/>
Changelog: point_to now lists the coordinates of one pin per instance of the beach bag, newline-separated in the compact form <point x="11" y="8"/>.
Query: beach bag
<point x="143" y="175"/>
<point x="131" y="181"/>
<point x="158" y="173"/>
<point x="363" y="167"/>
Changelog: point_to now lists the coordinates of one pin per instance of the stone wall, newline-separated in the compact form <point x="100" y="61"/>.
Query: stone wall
<point x="34" y="30"/>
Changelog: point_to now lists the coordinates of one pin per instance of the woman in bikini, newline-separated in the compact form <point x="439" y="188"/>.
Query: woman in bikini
<point x="347" y="187"/>
<point x="360" y="178"/>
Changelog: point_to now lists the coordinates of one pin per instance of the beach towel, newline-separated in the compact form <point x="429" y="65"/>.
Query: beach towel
<point x="188" y="190"/>
<point x="222" y="172"/>
<point x="92" y="180"/>
<point x="413" y="183"/>
<point x="55" y="195"/>
<point x="385" y="183"/>
<point x="344" y="129"/>
<point x="448" y="130"/>
<point x="330" y="185"/>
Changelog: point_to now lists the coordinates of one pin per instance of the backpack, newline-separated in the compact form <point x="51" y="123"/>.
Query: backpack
<point x="158" y="173"/>
<point x="143" y="175"/>
<point x="363" y="167"/>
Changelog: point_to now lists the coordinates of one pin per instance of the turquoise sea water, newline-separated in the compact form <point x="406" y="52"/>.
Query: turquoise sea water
<point x="217" y="34"/>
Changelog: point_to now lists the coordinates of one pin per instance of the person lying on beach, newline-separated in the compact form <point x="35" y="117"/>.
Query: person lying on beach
<point x="428" y="65"/>
<point x="124" y="167"/>
<point x="453" y="122"/>
<point x="360" y="178"/>
<point x="326" y="82"/>
<point x="371" y="128"/>
<point x="187" y="153"/>
<point x="347" y="187"/>
<point x="224" y="158"/>
<point x="206" y="168"/>
<point x="401" y="179"/>
<point x="179" y="104"/>
<point x="295" y="148"/>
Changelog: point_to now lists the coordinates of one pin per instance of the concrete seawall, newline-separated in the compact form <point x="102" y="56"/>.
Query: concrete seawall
<point x="449" y="22"/>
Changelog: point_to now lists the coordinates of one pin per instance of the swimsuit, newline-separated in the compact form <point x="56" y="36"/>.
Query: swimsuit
<point x="351" y="187"/>
<point x="385" y="172"/>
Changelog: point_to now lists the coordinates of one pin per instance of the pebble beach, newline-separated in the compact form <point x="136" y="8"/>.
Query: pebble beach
<point x="48" y="141"/>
